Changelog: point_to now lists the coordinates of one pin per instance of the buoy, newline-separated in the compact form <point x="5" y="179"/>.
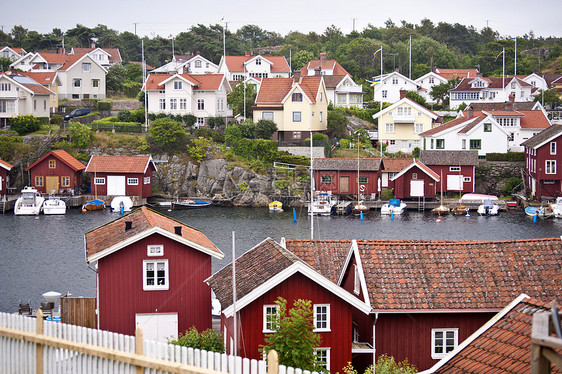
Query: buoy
<point x="438" y="219"/>
<point x="392" y="216"/>
<point x="535" y="218"/>
<point x="361" y="216"/>
<point x="83" y="210"/>
<point x="294" y="215"/>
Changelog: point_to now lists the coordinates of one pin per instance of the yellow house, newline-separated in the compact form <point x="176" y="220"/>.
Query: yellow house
<point x="401" y="123"/>
<point x="49" y="80"/>
<point x="297" y="105"/>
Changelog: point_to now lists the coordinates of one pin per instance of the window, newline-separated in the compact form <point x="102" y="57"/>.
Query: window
<point x="38" y="181"/>
<point x="321" y="96"/>
<point x="76" y="82"/>
<point x="86" y="67"/>
<point x="431" y="80"/>
<point x="220" y="105"/>
<point x="440" y="143"/>
<point x="384" y="94"/>
<point x="363" y="180"/>
<point x="513" y="85"/>
<point x="173" y="104"/>
<point x="296" y="116"/>
<point x="183" y="104"/>
<point x="323" y="357"/>
<point x="162" y="104"/>
<point x="487" y="127"/>
<point x="34" y="104"/>
<point x="392" y="142"/>
<point x="432" y="142"/>
<point x="326" y="179"/>
<point x="5" y="86"/>
<point x="269" y="316"/>
<point x="258" y="61"/>
<point x="155" y="250"/>
<point x="267" y="115"/>
<point x="44" y="104"/>
<point x="296" y="134"/>
<point x="65" y="181"/>
<point x="511" y="136"/>
<point x="464" y="144"/>
<point x="197" y="64"/>
<point x="133" y="181"/>
<point x="552" y="148"/>
<point x="99" y="180"/>
<point x="394" y="80"/>
<point x="389" y="128"/>
<point x="52" y="164"/>
<point x="454" y="168"/>
<point x="414" y="175"/>
<point x="146" y="180"/>
<point x="467" y="179"/>
<point x="297" y="97"/>
<point x="321" y="116"/>
<point x="341" y="99"/>
<point x="200" y="104"/>
<point x="418" y="127"/>
<point x="200" y="121"/>
<point x="155" y="275"/>
<point x="356" y="282"/>
<point x="475" y="144"/>
<point x="550" y="167"/>
<point x="321" y="317"/>
<point x="7" y="106"/>
<point x="178" y="85"/>
<point x="443" y="341"/>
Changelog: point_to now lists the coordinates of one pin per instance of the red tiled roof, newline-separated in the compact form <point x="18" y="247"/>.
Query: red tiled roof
<point x="5" y="165"/>
<point x="529" y="119"/>
<point x="63" y="156"/>
<point x="273" y="90"/>
<point x="494" y="82"/>
<point x="236" y="63"/>
<point x="448" y="125"/>
<point x="202" y="82"/>
<point x="142" y="219"/>
<point x="38" y="89"/>
<point x="54" y="58"/>
<point x="310" y="86"/>
<point x="534" y="119"/>
<point x="472" y="124"/>
<point x="71" y="60"/>
<point x="315" y="253"/>
<point x="43" y="77"/>
<point x="505" y="347"/>
<point x="118" y="164"/>
<point x="458" y="73"/>
<point x="396" y="164"/>
<point x="325" y="65"/>
<point x="114" y="54"/>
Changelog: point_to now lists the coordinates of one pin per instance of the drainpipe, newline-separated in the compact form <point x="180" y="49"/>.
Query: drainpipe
<point x="374" y="342"/>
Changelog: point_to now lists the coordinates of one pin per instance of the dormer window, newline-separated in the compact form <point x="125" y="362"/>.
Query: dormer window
<point x="394" y="80"/>
<point x="197" y="64"/>
<point x="258" y="61"/>
<point x="178" y="85"/>
<point x="431" y="80"/>
<point x="296" y="97"/>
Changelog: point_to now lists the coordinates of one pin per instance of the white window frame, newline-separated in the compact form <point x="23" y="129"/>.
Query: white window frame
<point x="146" y="180"/>
<point x="356" y="280"/>
<point x="155" y="250"/>
<point x="552" y="148"/>
<point x="384" y="94"/>
<point x="162" y="104"/>
<point x="326" y="179"/>
<point x="86" y="66"/>
<point x="317" y="320"/>
<point x="200" y="104"/>
<point x="297" y="116"/>
<point x="178" y="85"/>
<point x="467" y="179"/>
<point x="267" y="115"/>
<point x="267" y="310"/>
<point x="95" y="83"/>
<point x="173" y="104"/>
<point x="183" y="104"/>
<point x="436" y="355"/>
<point x="550" y="166"/>
<point x="327" y="354"/>
<point x="155" y="287"/>
<point x="418" y="128"/>
<point x="454" y="168"/>
<point x="77" y="82"/>
<point x="133" y="181"/>
<point x="389" y="128"/>
<point x="99" y="180"/>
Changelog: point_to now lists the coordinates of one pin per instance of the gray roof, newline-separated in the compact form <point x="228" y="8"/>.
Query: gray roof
<point x="365" y="164"/>
<point x="449" y="157"/>
<point x="518" y="105"/>
<point x="543" y="136"/>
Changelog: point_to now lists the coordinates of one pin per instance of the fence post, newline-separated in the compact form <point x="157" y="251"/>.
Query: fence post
<point x="272" y="362"/>
<point x="39" y="350"/>
<point x="139" y="347"/>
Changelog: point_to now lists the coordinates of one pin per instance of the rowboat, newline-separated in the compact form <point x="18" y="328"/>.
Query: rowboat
<point x="93" y="205"/>
<point x="190" y="204"/>
<point x="541" y="212"/>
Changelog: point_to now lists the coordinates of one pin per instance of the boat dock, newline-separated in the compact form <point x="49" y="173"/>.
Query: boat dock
<point x="7" y="203"/>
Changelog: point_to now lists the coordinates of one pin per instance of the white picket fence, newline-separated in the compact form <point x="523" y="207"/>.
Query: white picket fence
<point x="62" y="348"/>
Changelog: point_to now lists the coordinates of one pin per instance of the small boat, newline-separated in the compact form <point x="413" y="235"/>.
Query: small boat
<point x="93" y="205"/>
<point x="460" y="209"/>
<point x="476" y="198"/>
<point x="121" y="204"/>
<point x="556" y="207"/>
<point x="488" y="208"/>
<point x="190" y="204"/>
<point x="275" y="206"/>
<point x="394" y="206"/>
<point x="29" y="203"/>
<point x="540" y="212"/>
<point x="441" y="209"/>
<point x="322" y="203"/>
<point x="360" y="208"/>
<point x="54" y="205"/>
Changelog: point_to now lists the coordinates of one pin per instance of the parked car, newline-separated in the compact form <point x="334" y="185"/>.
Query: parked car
<point x="77" y="113"/>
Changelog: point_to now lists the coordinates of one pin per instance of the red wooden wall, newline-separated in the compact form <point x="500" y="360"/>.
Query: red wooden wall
<point x="366" y="188"/>
<point x="61" y="170"/>
<point x="4" y="182"/>
<point x="466" y="171"/>
<point x="402" y="184"/>
<point x="142" y="190"/>
<point x="121" y="293"/>
<point x="543" y="154"/>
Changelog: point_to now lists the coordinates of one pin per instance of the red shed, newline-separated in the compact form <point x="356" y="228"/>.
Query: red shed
<point x="415" y="181"/>
<point x="343" y="175"/>
<point x="543" y="163"/>
<point x="56" y="172"/>
<point x="268" y="271"/>
<point x="121" y="175"/>
<point x="4" y="177"/>
<point x="393" y="166"/>
<point x="457" y="168"/>
<point x="150" y="273"/>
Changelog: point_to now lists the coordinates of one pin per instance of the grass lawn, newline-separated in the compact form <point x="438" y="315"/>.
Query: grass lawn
<point x="352" y="153"/>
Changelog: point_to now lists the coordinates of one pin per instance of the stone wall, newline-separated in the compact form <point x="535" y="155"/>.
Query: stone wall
<point x="492" y="176"/>
<point x="317" y="152"/>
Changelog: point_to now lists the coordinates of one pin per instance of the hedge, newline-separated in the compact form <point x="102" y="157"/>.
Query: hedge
<point x="289" y="158"/>
<point x="104" y="105"/>
<point x="43" y="120"/>
<point x="510" y="156"/>
<point x="256" y="149"/>
<point x="116" y="126"/>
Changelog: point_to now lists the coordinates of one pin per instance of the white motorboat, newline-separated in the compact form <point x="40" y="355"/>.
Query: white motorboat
<point x="54" y="205"/>
<point x="488" y="208"/>
<point x="394" y="206"/>
<point x="322" y="203"/>
<point x="121" y="203"/>
<point x="557" y="207"/>
<point x="29" y="203"/>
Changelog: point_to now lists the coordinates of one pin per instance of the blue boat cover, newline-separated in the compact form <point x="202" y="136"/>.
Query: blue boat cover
<point x="394" y="202"/>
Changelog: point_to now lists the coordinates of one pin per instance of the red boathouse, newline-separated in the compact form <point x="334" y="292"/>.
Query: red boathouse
<point x="56" y="172"/>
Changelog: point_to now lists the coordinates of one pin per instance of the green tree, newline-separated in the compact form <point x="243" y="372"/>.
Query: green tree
<point x="199" y="148"/>
<point x="337" y="124"/>
<point x="5" y="63"/>
<point x="265" y="129"/>
<point x="302" y="58"/>
<point x="414" y="96"/>
<point x="24" y="124"/>
<point x="550" y="98"/>
<point x="440" y="92"/>
<point x="80" y="135"/>
<point x="215" y="122"/>
<point x="293" y="337"/>
<point x="248" y="129"/>
<point x="115" y="78"/>
<point x="207" y="340"/>
<point x="236" y="99"/>
<point x="166" y="131"/>
<point x="133" y="73"/>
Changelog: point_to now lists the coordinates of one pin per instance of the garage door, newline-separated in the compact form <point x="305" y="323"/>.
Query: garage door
<point x="158" y="326"/>
<point x="116" y="185"/>
<point x="454" y="182"/>
<point x="416" y="188"/>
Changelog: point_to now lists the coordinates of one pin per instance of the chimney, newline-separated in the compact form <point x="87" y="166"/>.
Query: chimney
<point x="317" y="71"/>
<point x="197" y="53"/>
<point x="128" y="225"/>
<point x="397" y="70"/>
<point x="248" y="53"/>
<point x="297" y="76"/>
<point x="403" y="94"/>
<point x="469" y="111"/>
<point x="434" y="69"/>
<point x="509" y="103"/>
<point x="177" y="230"/>
<point x="323" y="56"/>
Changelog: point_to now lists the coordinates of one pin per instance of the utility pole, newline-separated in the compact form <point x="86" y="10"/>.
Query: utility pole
<point x="135" y="23"/>
<point x="354" y="24"/>
<point x="487" y="20"/>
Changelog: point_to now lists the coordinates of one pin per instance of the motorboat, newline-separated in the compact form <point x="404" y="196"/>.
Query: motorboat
<point x="322" y="203"/>
<point x="275" y="206"/>
<point x="394" y="206"/>
<point x="488" y="208"/>
<point x="190" y="204"/>
<point x="121" y="204"/>
<point x="540" y="212"/>
<point x="476" y="198"/>
<point x="54" y="205"/>
<point x="556" y="207"/>
<point x="460" y="210"/>
<point x="92" y="205"/>
<point x="29" y="203"/>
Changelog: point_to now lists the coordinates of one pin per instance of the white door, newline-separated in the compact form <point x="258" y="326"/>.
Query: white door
<point x="416" y="188"/>
<point x="385" y="179"/>
<point x="116" y="185"/>
<point x="454" y="182"/>
<point x="158" y="326"/>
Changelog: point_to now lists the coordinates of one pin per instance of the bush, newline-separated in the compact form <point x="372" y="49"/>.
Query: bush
<point x="124" y="116"/>
<point x="199" y="148"/>
<point x="81" y="135"/>
<point x="132" y="89"/>
<point x="56" y="119"/>
<point x="24" y="124"/>
<point x="43" y="120"/>
<point x="207" y="340"/>
<point x="509" y="156"/>
<point x="289" y="158"/>
<point x="264" y="129"/>
<point x="214" y="135"/>
<point x="344" y="143"/>
<point x="165" y="131"/>
<point x="137" y="115"/>
<point x="511" y="184"/>
<point x="256" y="149"/>
<point x="216" y="122"/>
<point x="104" y="105"/>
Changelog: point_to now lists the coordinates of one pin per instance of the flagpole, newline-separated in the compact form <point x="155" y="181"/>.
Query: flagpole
<point x="381" y="79"/>
<point x="515" y="56"/>
<point x="503" y="72"/>
<point x="224" y="40"/>
<point x="410" y="76"/>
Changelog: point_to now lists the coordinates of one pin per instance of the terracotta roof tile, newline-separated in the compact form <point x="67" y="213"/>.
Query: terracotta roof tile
<point x="142" y="219"/>
<point x="458" y="73"/>
<point x="325" y="65"/>
<point x="43" y="77"/>
<point x="71" y="60"/>
<point x="202" y="82"/>
<point x="5" y="165"/>
<point x="118" y="164"/>
<point x="62" y="155"/>
<point x="236" y="63"/>
<point x="38" y="89"/>
<point x="327" y="257"/>
<point x="273" y="90"/>
<point x="365" y="164"/>
<point x="114" y="54"/>
<point x="396" y="164"/>
<point x="549" y="133"/>
<point x="443" y="157"/>
<point x="534" y="119"/>
<point x="54" y="58"/>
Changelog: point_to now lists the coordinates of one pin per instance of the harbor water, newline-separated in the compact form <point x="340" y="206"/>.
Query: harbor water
<point x="46" y="253"/>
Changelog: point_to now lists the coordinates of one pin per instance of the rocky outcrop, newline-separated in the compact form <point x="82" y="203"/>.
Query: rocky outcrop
<point x="492" y="176"/>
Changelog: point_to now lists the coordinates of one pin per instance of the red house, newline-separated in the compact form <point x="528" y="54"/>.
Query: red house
<point x="393" y="166"/>
<point x="56" y="172"/>
<point x="457" y="168"/>
<point x="268" y="271"/>
<point x="416" y="181"/>
<point x="121" y="175"/>
<point x="150" y="273"/>
<point x="4" y="177"/>
<point x="543" y="163"/>
<point x="348" y="176"/>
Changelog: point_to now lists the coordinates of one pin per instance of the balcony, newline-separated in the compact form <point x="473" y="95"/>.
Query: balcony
<point x="404" y="119"/>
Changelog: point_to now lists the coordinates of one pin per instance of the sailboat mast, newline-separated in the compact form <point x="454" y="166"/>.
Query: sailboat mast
<point x="311" y="187"/>
<point x="358" y="171"/>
